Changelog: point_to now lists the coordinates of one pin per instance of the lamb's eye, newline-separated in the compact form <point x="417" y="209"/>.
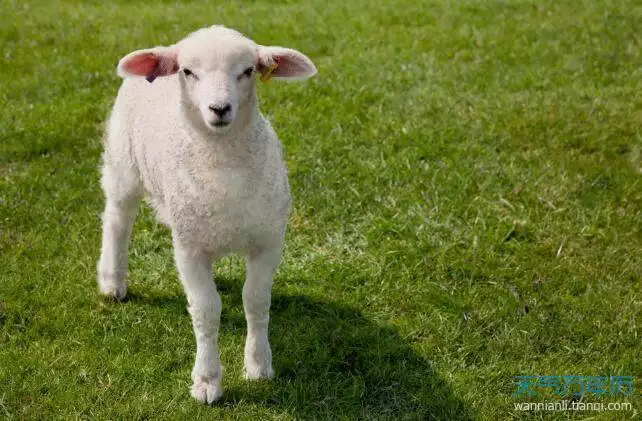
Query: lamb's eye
<point x="248" y="72"/>
<point x="188" y="72"/>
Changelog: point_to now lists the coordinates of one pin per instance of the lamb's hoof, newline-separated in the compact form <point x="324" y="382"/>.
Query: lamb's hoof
<point x="113" y="289"/>
<point x="257" y="372"/>
<point x="207" y="390"/>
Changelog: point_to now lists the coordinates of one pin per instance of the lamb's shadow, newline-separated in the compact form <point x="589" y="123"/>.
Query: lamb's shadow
<point x="331" y="361"/>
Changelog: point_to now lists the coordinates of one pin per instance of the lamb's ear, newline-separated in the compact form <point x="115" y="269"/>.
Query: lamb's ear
<point x="284" y="63"/>
<point x="150" y="63"/>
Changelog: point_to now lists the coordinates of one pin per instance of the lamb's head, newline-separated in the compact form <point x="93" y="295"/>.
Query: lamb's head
<point x="216" y="67"/>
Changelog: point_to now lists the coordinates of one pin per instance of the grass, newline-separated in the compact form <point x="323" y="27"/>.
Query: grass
<point x="467" y="208"/>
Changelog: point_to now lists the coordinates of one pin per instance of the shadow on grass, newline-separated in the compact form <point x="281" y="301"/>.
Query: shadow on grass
<point x="333" y="363"/>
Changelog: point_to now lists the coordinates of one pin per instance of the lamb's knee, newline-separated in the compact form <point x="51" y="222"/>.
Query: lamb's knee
<point x="118" y="215"/>
<point x="206" y="313"/>
<point x="257" y="296"/>
<point x="121" y="183"/>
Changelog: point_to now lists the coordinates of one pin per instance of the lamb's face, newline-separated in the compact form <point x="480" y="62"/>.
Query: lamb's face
<point x="216" y="73"/>
<point x="215" y="68"/>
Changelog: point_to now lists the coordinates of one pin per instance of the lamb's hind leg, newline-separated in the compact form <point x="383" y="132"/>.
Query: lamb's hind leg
<point x="122" y="195"/>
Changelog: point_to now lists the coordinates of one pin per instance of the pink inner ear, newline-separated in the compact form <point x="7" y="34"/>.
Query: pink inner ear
<point x="288" y="66"/>
<point x="151" y="64"/>
<point x="141" y="64"/>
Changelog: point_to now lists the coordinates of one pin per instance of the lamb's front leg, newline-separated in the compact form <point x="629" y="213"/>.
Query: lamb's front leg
<point x="204" y="305"/>
<point x="261" y="265"/>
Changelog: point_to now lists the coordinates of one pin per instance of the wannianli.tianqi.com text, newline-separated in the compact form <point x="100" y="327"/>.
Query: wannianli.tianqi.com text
<point x="568" y="405"/>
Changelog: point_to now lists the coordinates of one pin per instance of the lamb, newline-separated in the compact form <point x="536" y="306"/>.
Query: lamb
<point x="186" y="133"/>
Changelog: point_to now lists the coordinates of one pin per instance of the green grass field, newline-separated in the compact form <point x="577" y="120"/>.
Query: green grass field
<point x="467" y="186"/>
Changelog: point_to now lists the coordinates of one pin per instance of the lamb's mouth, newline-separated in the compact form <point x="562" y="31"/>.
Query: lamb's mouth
<point x="220" y="123"/>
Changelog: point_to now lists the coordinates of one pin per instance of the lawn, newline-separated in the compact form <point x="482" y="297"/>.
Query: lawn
<point x="467" y="208"/>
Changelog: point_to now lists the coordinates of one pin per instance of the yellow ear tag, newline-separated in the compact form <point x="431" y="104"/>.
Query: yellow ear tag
<point x="265" y="77"/>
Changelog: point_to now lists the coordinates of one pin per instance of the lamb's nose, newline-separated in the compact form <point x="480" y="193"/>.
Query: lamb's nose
<point x="220" y="110"/>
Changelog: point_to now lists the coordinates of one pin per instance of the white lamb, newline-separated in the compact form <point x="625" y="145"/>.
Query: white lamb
<point x="195" y="144"/>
